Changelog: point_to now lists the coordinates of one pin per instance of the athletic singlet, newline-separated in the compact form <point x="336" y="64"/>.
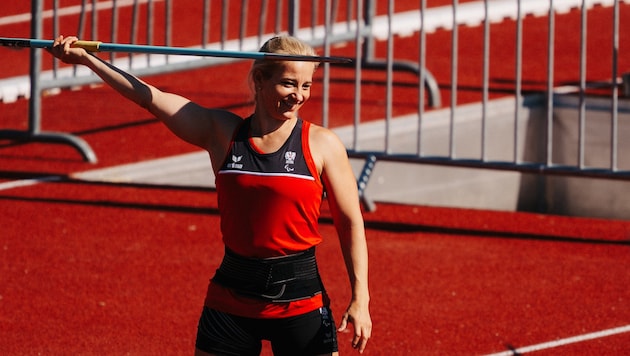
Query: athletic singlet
<point x="270" y="206"/>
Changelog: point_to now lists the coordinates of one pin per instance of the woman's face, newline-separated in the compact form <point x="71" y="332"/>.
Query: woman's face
<point x="289" y="87"/>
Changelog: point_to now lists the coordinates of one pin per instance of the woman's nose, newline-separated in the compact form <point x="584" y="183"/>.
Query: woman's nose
<point x="297" y="95"/>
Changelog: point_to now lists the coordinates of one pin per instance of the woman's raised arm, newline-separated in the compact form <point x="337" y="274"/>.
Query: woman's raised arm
<point x="210" y="129"/>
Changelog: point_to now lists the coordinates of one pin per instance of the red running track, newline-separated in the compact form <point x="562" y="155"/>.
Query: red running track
<point x="112" y="269"/>
<point x="92" y="268"/>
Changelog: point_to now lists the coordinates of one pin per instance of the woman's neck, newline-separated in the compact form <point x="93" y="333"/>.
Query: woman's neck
<point x="270" y="137"/>
<point x="261" y="126"/>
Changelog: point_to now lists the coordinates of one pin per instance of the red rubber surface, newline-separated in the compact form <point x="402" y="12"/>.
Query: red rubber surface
<point x="90" y="268"/>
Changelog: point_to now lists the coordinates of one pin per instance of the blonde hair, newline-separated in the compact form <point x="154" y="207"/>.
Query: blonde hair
<point x="283" y="44"/>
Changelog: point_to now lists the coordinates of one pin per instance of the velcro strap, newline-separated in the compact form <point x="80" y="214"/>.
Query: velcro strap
<point x="278" y="279"/>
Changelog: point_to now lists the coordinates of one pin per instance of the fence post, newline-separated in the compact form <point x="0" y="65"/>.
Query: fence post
<point x="294" y="17"/>
<point x="34" y="103"/>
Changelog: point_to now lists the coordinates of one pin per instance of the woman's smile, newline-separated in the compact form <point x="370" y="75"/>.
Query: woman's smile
<point x="290" y="103"/>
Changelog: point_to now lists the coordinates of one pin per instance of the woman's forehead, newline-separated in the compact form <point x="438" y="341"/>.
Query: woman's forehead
<point x="296" y="68"/>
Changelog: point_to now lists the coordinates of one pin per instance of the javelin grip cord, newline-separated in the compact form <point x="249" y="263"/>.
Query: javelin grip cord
<point x="97" y="46"/>
<point x="90" y="46"/>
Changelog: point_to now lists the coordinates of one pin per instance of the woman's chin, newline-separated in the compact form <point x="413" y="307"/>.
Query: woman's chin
<point x="288" y="115"/>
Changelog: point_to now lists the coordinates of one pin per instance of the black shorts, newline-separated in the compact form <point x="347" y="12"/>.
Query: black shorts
<point x="312" y="333"/>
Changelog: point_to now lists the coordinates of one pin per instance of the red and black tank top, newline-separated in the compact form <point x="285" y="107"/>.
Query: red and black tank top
<point x="270" y="206"/>
<point x="269" y="202"/>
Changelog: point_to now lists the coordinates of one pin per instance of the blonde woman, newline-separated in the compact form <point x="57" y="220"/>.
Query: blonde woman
<point x="271" y="170"/>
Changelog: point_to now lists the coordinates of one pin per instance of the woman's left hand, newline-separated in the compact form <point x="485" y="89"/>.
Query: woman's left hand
<point x="359" y="316"/>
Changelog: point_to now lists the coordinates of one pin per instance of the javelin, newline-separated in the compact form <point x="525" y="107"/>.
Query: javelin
<point x="97" y="46"/>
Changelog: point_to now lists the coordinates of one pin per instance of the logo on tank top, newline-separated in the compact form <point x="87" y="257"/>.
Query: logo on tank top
<point x="289" y="161"/>
<point x="235" y="162"/>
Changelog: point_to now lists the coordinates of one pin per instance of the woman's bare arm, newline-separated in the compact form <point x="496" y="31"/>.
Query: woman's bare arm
<point x="343" y="197"/>
<point x="210" y="129"/>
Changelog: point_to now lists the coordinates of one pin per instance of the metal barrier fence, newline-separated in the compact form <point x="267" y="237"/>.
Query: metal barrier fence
<point x="483" y="14"/>
<point x="325" y="23"/>
<point x="217" y="32"/>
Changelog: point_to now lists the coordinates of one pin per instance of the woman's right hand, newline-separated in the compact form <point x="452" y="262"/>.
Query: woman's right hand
<point x="62" y="49"/>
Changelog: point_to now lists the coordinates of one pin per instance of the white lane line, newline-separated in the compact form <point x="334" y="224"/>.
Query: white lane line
<point x="562" y="342"/>
<point x="27" y="182"/>
<point x="67" y="11"/>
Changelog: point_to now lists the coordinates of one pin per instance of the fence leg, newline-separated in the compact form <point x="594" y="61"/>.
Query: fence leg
<point x="369" y="62"/>
<point x="430" y="83"/>
<point x="35" y="111"/>
<point x="52" y="137"/>
<point x="362" y="182"/>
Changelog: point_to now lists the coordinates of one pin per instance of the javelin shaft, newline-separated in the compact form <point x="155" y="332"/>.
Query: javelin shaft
<point x="96" y="46"/>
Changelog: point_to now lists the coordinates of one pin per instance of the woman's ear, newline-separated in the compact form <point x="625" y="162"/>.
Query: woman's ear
<point x="258" y="79"/>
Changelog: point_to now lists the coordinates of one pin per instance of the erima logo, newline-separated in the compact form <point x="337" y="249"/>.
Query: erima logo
<point x="289" y="159"/>
<point x="235" y="164"/>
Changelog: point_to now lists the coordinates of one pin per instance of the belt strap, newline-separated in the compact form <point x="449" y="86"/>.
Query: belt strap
<point x="277" y="279"/>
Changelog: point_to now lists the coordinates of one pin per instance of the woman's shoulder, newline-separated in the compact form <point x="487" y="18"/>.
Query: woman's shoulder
<point x="324" y="143"/>
<point x="219" y="131"/>
<point x="224" y="122"/>
<point x="322" y="135"/>
<point x="224" y="116"/>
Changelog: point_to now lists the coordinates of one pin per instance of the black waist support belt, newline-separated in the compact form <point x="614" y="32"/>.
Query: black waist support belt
<point x="278" y="279"/>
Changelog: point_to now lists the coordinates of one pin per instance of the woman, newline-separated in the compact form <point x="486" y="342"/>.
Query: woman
<point x="272" y="169"/>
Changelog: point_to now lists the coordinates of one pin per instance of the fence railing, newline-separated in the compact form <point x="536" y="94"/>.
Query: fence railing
<point x="218" y="30"/>
<point x="363" y="25"/>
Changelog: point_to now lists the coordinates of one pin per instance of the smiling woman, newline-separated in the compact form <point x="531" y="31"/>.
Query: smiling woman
<point x="271" y="171"/>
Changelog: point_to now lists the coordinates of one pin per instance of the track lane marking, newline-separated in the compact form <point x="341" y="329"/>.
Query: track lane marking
<point x="68" y="11"/>
<point x="28" y="182"/>
<point x="566" y="341"/>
